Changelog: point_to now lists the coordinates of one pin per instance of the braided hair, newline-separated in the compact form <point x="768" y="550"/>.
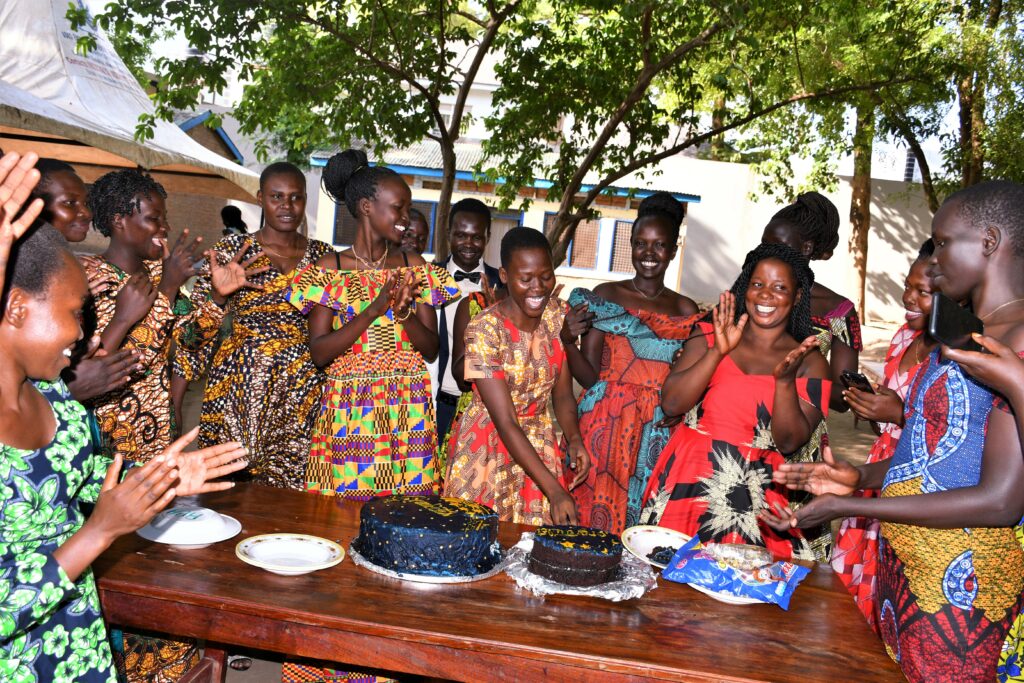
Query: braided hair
<point x="799" y="325"/>
<point x="816" y="219"/>
<point x="664" y="206"/>
<point x="927" y="250"/>
<point x="348" y="177"/>
<point x="120" y="193"/>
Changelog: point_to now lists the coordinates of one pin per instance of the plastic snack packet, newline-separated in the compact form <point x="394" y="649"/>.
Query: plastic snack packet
<point x="736" y="570"/>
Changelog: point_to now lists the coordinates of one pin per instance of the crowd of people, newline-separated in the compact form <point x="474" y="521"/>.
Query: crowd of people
<point x="369" y="371"/>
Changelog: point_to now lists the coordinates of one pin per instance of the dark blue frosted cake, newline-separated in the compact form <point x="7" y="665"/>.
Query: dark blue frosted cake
<point x="429" y="535"/>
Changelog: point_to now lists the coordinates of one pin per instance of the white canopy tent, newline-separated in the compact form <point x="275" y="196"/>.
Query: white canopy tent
<point x="84" y="109"/>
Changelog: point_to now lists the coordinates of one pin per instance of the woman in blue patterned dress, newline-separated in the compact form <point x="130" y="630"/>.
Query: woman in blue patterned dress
<point x="50" y="623"/>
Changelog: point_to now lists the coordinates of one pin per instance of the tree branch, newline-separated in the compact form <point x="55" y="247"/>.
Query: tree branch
<point x="703" y="137"/>
<point x="895" y="114"/>
<point x="496" y="21"/>
<point x="647" y="74"/>
<point x="393" y="69"/>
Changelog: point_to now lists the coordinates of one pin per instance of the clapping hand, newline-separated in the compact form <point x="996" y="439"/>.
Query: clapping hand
<point x="134" y="300"/>
<point x="788" y="367"/>
<point x="403" y="294"/>
<point x="179" y="263"/>
<point x="18" y="177"/>
<point x="198" y="469"/>
<point x="489" y="290"/>
<point x="818" y="478"/>
<point x="728" y="330"/>
<point x="229" y="277"/>
<point x="99" y="372"/>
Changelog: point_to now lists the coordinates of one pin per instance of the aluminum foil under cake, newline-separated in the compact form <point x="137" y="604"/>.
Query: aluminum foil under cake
<point x="635" y="576"/>
<point x="422" y="578"/>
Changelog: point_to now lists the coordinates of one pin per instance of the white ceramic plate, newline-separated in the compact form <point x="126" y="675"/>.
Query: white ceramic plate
<point x="726" y="597"/>
<point x="190" y="527"/>
<point x="643" y="539"/>
<point x="289" y="554"/>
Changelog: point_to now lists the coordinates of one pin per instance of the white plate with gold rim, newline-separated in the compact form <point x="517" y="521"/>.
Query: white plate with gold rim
<point x="289" y="554"/>
<point x="641" y="540"/>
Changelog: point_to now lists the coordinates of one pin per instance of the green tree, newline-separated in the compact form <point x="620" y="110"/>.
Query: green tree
<point x="322" y="73"/>
<point x="597" y="90"/>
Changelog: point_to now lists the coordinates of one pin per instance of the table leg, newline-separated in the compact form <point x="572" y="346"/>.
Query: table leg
<point x="212" y="668"/>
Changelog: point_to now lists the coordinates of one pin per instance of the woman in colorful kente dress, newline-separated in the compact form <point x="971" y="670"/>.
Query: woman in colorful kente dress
<point x="262" y="388"/>
<point x="951" y="566"/>
<point x="504" y="452"/>
<point x="371" y="324"/>
<point x="51" y="628"/>
<point x="855" y="553"/>
<point x="638" y="327"/>
<point x="760" y="387"/>
<point x="810" y="225"/>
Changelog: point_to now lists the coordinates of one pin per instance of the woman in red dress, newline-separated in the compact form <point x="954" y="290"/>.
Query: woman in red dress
<point x="758" y="388"/>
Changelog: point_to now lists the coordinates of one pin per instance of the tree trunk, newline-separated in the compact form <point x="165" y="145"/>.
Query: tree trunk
<point x="860" y="200"/>
<point x="444" y="201"/>
<point x="717" y="122"/>
<point x="560" y="235"/>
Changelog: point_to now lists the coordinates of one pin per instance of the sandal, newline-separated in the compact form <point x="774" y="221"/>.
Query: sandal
<point x="239" y="662"/>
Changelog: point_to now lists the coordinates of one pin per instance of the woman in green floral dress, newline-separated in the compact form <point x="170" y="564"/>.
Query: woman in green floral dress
<point x="50" y="623"/>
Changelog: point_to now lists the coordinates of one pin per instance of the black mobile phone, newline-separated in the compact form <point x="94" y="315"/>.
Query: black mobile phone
<point x="855" y="380"/>
<point x="952" y="324"/>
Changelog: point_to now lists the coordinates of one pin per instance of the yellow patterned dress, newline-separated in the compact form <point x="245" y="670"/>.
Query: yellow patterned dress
<point x="135" y="420"/>
<point x="262" y="389"/>
<point x="376" y="432"/>
<point x="480" y="468"/>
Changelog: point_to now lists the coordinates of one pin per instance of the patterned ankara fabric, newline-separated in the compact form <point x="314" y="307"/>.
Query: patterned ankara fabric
<point x="292" y="672"/>
<point x="855" y="552"/>
<point x="51" y="629"/>
<point x="137" y="419"/>
<point x="477" y="304"/>
<point x="618" y="413"/>
<point x="480" y="467"/>
<point x="375" y="433"/>
<point x="715" y="476"/>
<point x="262" y="389"/>
<point x="949" y="600"/>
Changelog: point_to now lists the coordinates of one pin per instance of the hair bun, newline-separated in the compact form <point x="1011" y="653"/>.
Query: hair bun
<point x="339" y="171"/>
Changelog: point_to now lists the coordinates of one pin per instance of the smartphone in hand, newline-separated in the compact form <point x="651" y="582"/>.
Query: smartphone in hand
<point x="855" y="380"/>
<point x="952" y="324"/>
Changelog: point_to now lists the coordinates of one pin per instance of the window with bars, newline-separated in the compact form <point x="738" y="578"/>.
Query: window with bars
<point x="622" y="257"/>
<point x="583" y="247"/>
<point x="345" y="225"/>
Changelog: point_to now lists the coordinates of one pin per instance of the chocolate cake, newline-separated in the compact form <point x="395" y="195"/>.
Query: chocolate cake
<point x="428" y="535"/>
<point x="575" y="555"/>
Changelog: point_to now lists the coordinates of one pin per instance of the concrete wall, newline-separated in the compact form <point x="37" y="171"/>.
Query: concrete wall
<point x="727" y="223"/>
<point x="729" y="220"/>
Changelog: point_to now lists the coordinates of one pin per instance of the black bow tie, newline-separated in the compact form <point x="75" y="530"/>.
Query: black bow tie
<point x="472" y="277"/>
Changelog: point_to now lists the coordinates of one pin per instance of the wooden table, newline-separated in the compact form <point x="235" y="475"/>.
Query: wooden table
<point x="483" y="631"/>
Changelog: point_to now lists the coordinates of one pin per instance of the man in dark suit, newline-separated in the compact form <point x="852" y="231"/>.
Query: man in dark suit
<point x="469" y="227"/>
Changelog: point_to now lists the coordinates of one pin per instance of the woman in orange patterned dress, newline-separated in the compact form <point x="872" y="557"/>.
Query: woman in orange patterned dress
<point x="639" y="325"/>
<point x="503" y="452"/>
